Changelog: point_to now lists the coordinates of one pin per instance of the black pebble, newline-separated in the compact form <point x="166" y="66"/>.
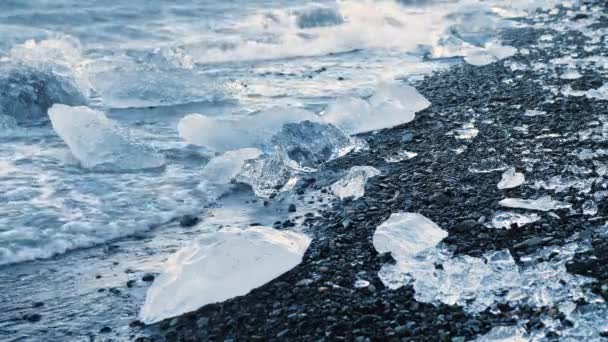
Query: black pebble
<point x="148" y="278"/>
<point x="105" y="330"/>
<point x="188" y="220"/>
<point x="291" y="208"/>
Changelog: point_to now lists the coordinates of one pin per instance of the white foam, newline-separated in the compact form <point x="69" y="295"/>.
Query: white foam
<point x="222" y="265"/>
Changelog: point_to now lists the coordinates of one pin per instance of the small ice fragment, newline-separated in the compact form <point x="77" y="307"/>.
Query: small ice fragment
<point x="360" y="283"/>
<point x="232" y="134"/>
<point x="570" y="75"/>
<point x="353" y="183"/>
<point x="310" y="144"/>
<point x="400" y="156"/>
<point x="350" y="114"/>
<point x="600" y="93"/>
<point x="220" y="170"/>
<point x="504" y="219"/>
<point x="545" y="203"/>
<point x="266" y="174"/>
<point x="511" y="179"/>
<point x="402" y="95"/>
<point x="406" y="234"/>
<point x="505" y="334"/>
<point x="460" y="150"/>
<point x="468" y="131"/>
<point x="100" y="143"/>
<point x="590" y="208"/>
<point x="533" y="112"/>
<point x="222" y="265"/>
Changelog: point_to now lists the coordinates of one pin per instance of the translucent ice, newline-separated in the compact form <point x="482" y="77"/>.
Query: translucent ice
<point x="309" y="144"/>
<point x="590" y="208"/>
<point x="406" y="234"/>
<point x="390" y="105"/>
<point x="251" y="131"/>
<point x="400" y="156"/>
<point x="353" y="183"/>
<point x="562" y="183"/>
<point x="266" y="174"/>
<point x="504" y="219"/>
<point x="219" y="171"/>
<point x="544" y="203"/>
<point x="505" y="334"/>
<point x="511" y="179"/>
<point x="533" y="112"/>
<point x="468" y="131"/>
<point x="100" y="143"/>
<point x="222" y="265"/>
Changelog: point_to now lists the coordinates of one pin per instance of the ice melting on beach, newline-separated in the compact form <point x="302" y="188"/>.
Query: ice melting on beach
<point x="400" y="156"/>
<point x="353" y="183"/>
<point x="505" y="334"/>
<point x="266" y="174"/>
<point x="545" y="203"/>
<point x="391" y="105"/>
<point x="468" y="131"/>
<point x="504" y="219"/>
<point x="222" y="265"/>
<point x="254" y="130"/>
<point x="476" y="284"/>
<point x="309" y="144"/>
<point x="221" y="170"/>
<point x="511" y="179"/>
<point x="100" y="143"/>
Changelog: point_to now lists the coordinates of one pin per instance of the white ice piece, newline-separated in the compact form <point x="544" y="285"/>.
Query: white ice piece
<point x="504" y="219"/>
<point x="505" y="334"/>
<point x="222" y="265"/>
<point x="545" y="203"/>
<point x="220" y="170"/>
<point x="256" y="130"/>
<point x="511" y="179"/>
<point x="391" y="105"/>
<point x="353" y="183"/>
<point x="406" y="234"/>
<point x="101" y="143"/>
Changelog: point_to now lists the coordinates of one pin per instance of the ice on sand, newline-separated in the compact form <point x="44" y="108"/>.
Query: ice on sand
<point x="390" y="105"/>
<point x="505" y="334"/>
<point x="309" y="144"/>
<point x="266" y="174"/>
<point x="545" y="203"/>
<point x="222" y="265"/>
<point x="221" y="170"/>
<point x="511" y="179"/>
<point x="254" y="130"/>
<point x="504" y="219"/>
<point x="407" y="234"/>
<point x="353" y="183"/>
<point x="100" y="143"/>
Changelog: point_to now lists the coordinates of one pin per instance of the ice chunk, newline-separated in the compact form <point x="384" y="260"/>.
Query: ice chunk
<point x="533" y="112"/>
<point x="504" y="219"/>
<point x="468" y="131"/>
<point x="562" y="183"/>
<point x="220" y="170"/>
<point x="100" y="143"/>
<point x="490" y="53"/>
<point x="266" y="174"/>
<point x="505" y="334"/>
<point x="406" y="234"/>
<point x="590" y="208"/>
<point x="400" y="156"/>
<point x="251" y="131"/>
<point x="353" y="183"/>
<point x="223" y="265"/>
<point x="310" y="144"/>
<point x="544" y="203"/>
<point x="511" y="179"/>
<point x="391" y="105"/>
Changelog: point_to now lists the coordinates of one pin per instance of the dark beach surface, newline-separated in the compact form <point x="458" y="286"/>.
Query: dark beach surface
<point x="317" y="299"/>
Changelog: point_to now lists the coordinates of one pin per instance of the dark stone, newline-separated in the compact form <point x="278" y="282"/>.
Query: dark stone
<point x="105" y="330"/>
<point x="291" y="208"/>
<point x="188" y="221"/>
<point x="148" y="278"/>
<point x="32" y="318"/>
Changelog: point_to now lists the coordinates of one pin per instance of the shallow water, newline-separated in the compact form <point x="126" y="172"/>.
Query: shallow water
<point x="146" y="65"/>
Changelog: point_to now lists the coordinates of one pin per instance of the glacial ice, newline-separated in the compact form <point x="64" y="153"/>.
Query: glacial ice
<point x="511" y="179"/>
<point x="222" y="265"/>
<point x="468" y="131"/>
<point x="221" y="170"/>
<point x="100" y="143"/>
<point x="406" y="234"/>
<point x="474" y="283"/>
<point x="590" y="208"/>
<point x="232" y="134"/>
<point x="545" y="203"/>
<point x="353" y="183"/>
<point x="490" y="53"/>
<point x="562" y="183"/>
<point x="309" y="144"/>
<point x="391" y="105"/>
<point x="266" y="174"/>
<point x="505" y="334"/>
<point x="504" y="219"/>
<point x="400" y="156"/>
<point x="534" y="112"/>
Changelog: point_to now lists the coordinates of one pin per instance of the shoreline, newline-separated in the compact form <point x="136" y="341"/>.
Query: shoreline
<point x="317" y="300"/>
